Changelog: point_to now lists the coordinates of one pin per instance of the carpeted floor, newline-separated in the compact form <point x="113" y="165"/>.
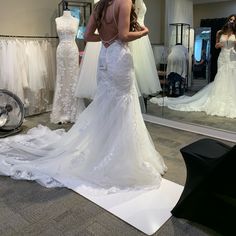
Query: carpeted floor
<point x="197" y="118"/>
<point x="30" y="209"/>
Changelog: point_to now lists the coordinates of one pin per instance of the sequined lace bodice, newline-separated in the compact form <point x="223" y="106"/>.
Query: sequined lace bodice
<point x="228" y="41"/>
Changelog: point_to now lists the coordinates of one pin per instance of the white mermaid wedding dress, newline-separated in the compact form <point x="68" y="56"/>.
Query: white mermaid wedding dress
<point x="108" y="146"/>
<point x="217" y="98"/>
<point x="147" y="80"/>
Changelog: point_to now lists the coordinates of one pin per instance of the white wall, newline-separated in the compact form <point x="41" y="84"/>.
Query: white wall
<point x="213" y="10"/>
<point x="155" y="20"/>
<point x="36" y="17"/>
<point x="29" y="17"/>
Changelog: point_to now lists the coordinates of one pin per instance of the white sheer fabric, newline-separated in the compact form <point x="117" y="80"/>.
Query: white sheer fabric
<point x="87" y="81"/>
<point x="217" y="98"/>
<point x="66" y="107"/>
<point x="143" y="57"/>
<point x="177" y="61"/>
<point x="109" y="145"/>
<point x="26" y="71"/>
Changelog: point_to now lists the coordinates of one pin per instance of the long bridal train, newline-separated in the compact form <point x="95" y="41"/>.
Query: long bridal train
<point x="109" y="145"/>
<point x="217" y="98"/>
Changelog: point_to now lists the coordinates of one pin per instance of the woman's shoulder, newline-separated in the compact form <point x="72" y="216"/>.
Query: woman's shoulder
<point x="123" y="2"/>
<point x="219" y="33"/>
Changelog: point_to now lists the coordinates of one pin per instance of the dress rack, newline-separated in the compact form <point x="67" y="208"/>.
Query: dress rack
<point x="25" y="36"/>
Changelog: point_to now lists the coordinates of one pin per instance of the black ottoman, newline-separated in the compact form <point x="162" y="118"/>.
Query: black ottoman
<point x="209" y="195"/>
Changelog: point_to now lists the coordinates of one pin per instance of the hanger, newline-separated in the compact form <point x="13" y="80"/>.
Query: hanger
<point x="65" y="6"/>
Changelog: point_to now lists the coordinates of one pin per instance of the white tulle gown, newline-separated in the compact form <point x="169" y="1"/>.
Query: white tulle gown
<point x="87" y="79"/>
<point x="217" y="98"/>
<point x="109" y="145"/>
<point x="143" y="57"/>
<point x="66" y="106"/>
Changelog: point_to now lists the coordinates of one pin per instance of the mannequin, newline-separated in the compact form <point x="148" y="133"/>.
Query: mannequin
<point x="145" y="69"/>
<point x="66" y="107"/>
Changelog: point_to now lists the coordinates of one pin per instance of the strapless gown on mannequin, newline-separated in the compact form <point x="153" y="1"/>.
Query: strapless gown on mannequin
<point x="143" y="57"/>
<point x="87" y="81"/>
<point x="109" y="145"/>
<point x="66" y="106"/>
<point x="217" y="98"/>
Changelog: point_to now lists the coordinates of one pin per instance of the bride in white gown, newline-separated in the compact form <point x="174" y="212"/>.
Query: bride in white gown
<point x="109" y="145"/>
<point x="219" y="97"/>
<point x="144" y="62"/>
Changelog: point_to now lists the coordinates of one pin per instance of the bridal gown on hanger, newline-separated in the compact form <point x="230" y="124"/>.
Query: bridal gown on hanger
<point x="217" y="98"/>
<point x="108" y="147"/>
<point x="66" y="106"/>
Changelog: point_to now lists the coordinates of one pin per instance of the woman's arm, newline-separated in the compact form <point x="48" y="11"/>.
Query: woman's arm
<point x="90" y="35"/>
<point x="124" y="9"/>
<point x="218" y="43"/>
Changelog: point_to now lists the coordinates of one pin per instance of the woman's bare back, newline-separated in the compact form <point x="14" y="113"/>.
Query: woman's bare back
<point x="109" y="24"/>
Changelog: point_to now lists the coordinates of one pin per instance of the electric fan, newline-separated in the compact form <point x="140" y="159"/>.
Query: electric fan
<point x="11" y="113"/>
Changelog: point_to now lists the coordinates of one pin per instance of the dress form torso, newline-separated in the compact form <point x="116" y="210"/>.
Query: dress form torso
<point x="66" y="107"/>
<point x="67" y="26"/>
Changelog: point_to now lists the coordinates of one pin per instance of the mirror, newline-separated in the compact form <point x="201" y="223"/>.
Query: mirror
<point x="202" y="65"/>
<point x="201" y="61"/>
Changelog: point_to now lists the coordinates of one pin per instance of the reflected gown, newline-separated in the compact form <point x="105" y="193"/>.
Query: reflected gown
<point x="217" y="98"/>
<point x="109" y="145"/>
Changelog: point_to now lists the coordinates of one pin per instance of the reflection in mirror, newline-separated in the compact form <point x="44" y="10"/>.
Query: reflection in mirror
<point x="160" y="56"/>
<point x="201" y="58"/>
<point x="213" y="104"/>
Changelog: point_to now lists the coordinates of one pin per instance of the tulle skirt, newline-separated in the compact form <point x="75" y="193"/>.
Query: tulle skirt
<point x="217" y="98"/>
<point x="109" y="145"/>
<point x="145" y="66"/>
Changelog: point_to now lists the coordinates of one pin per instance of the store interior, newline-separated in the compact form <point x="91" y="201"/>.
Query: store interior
<point x="29" y="41"/>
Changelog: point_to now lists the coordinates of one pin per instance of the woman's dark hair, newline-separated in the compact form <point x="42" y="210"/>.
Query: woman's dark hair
<point x="229" y="26"/>
<point x="101" y="8"/>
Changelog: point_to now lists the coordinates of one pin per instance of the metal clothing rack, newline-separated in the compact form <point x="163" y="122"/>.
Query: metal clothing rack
<point x="63" y="5"/>
<point x="26" y="36"/>
<point x="180" y="27"/>
<point x="179" y="30"/>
